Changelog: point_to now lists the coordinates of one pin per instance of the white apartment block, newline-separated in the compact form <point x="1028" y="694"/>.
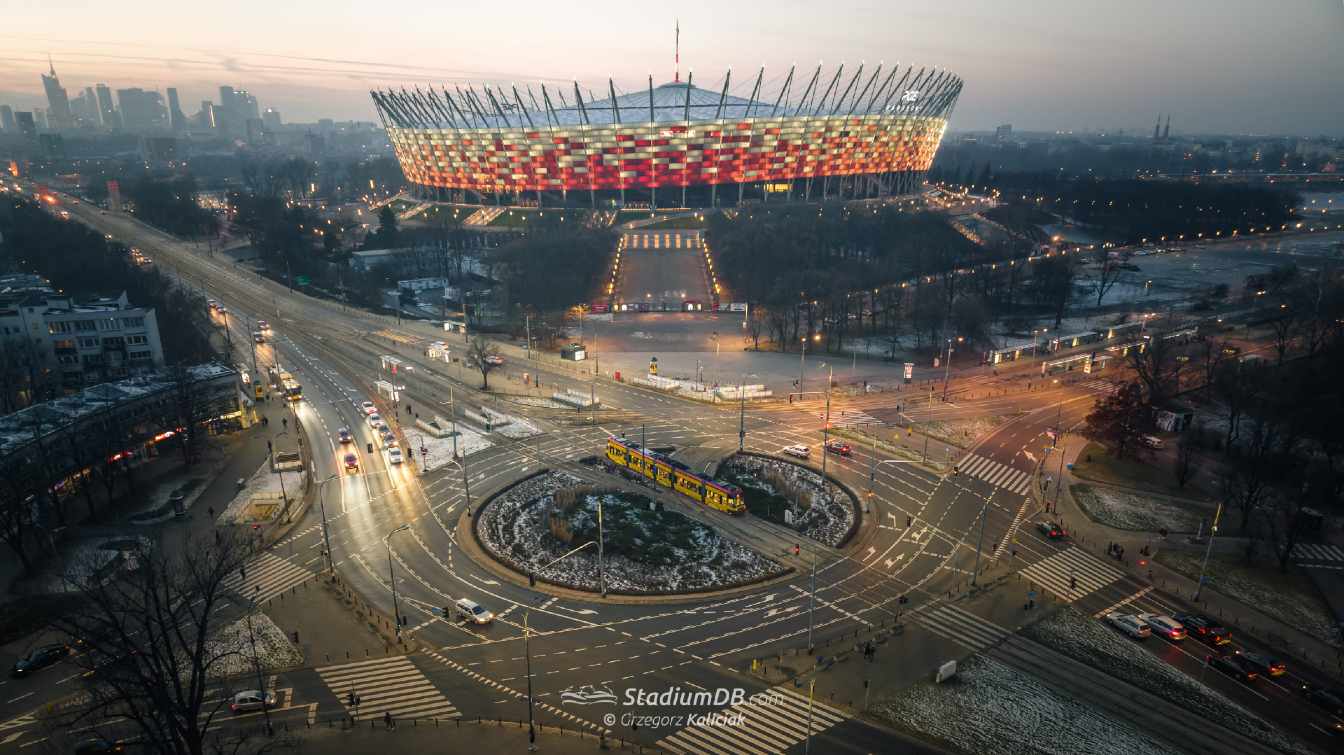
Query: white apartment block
<point x="86" y="342"/>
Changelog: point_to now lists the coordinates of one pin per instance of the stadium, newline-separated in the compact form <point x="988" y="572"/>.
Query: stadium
<point x="804" y="136"/>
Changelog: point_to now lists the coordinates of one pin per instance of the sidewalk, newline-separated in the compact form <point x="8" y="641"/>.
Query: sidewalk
<point x="1243" y="618"/>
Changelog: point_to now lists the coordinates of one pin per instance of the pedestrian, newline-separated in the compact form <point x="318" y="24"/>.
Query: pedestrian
<point x="388" y="723"/>
<point x="211" y="511"/>
<point x="242" y="573"/>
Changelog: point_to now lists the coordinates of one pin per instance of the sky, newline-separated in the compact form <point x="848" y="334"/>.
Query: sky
<point x="1221" y="66"/>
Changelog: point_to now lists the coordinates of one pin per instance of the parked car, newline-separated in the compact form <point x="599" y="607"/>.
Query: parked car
<point x="838" y="447"/>
<point x="394" y="455"/>
<point x="1233" y="665"/>
<point x="801" y="452"/>
<point x="471" y="611"/>
<point x="1204" y="629"/>
<point x="351" y="463"/>
<point x="386" y="435"/>
<point x="1329" y="700"/>
<point x="367" y="407"/>
<point x="1052" y="530"/>
<point x="252" y="699"/>
<point x="1131" y="625"/>
<point x="1267" y="665"/>
<point x="344" y="436"/>
<point x="39" y="659"/>
<point x="1164" y="626"/>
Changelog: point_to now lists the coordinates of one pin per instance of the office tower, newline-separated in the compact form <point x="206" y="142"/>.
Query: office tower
<point x="7" y="123"/>
<point x="107" y="112"/>
<point x="177" y="120"/>
<point x="271" y="119"/>
<point x="58" y="102"/>
<point x="27" y="124"/>
<point x="40" y="119"/>
<point x="141" y="110"/>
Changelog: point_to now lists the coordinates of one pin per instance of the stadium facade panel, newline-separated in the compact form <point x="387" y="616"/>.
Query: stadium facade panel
<point x="674" y="145"/>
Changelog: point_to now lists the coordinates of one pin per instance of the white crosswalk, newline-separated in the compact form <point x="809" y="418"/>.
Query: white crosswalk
<point x="771" y="721"/>
<point x="1099" y="386"/>
<point x="853" y="418"/>
<point x="387" y="685"/>
<point x="1317" y="552"/>
<point x="1054" y="573"/>
<point x="962" y="627"/>
<point x="271" y="573"/>
<point x="994" y="473"/>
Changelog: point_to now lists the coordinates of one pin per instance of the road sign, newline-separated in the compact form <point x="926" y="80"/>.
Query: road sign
<point x="301" y="280"/>
<point x="910" y="371"/>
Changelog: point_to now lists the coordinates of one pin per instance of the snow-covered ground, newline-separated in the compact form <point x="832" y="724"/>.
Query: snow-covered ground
<point x="263" y="485"/>
<point x="515" y="528"/>
<point x="827" y="515"/>
<point x="1135" y="511"/>
<point x="1299" y="608"/>
<point x="233" y="644"/>
<point x="1089" y="641"/>
<point x="440" y="450"/>
<point x="962" y="432"/>
<point x="991" y="709"/>
<point x="537" y="401"/>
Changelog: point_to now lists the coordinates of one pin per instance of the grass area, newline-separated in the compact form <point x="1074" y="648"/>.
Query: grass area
<point x="1098" y="464"/>
<point x="1127" y="510"/>
<point x="629" y="528"/>
<point x="1289" y="597"/>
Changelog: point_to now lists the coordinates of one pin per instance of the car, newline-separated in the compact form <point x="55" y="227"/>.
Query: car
<point x="250" y="700"/>
<point x="1205" y="629"/>
<point x="209" y="302"/>
<point x="1267" y="665"/>
<point x="343" y="435"/>
<point x="258" y="337"/>
<point x="367" y="407"/>
<point x="394" y="455"/>
<point x="351" y="463"/>
<point x="375" y="419"/>
<point x="223" y="310"/>
<point x="838" y="447"/>
<point x="1052" y="530"/>
<point x="1164" y="626"/>
<point x="494" y="360"/>
<point x="1233" y="665"/>
<point x="1130" y="625"/>
<point x="471" y="611"/>
<point x="98" y="745"/>
<point x="1329" y="700"/>
<point x="39" y="659"/>
<point x="386" y="435"/>
<point x="263" y="326"/>
<point x="801" y="452"/>
<point x="1152" y="441"/>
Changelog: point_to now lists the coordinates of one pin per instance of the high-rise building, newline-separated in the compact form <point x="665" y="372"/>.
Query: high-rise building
<point x="27" y="124"/>
<point x="247" y="105"/>
<point x="141" y="110"/>
<point x="177" y="120"/>
<point x="40" y="119"/>
<point x="271" y="119"/>
<point x="1003" y="132"/>
<point x="105" y="108"/>
<point x="58" y="102"/>
<point x="85" y="109"/>
<point x="7" y="123"/>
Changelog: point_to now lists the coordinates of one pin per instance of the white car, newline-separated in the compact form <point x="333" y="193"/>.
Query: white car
<point x="472" y="612"/>
<point x="1129" y="624"/>
<point x="801" y="452"/>
<point x="367" y="407"/>
<point x="375" y="420"/>
<point x="250" y="700"/>
<point x="394" y="455"/>
<point x="1164" y="626"/>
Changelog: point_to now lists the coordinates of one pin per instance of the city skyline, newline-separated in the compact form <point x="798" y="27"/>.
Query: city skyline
<point x="1216" y="67"/>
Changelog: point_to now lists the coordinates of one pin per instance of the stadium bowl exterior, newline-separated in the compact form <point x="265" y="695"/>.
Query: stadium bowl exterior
<point x="677" y="146"/>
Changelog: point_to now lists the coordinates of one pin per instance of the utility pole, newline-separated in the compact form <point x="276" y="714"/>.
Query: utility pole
<point x="1204" y="565"/>
<point x="811" y="599"/>
<point x="980" y="543"/>
<point x="392" y="577"/>
<point x="741" y="413"/>
<point x="527" y="652"/>
<point x="826" y="427"/>
<point x="527" y="320"/>
<point x="601" y="563"/>
<point x="947" y="367"/>
<point x="802" y="359"/>
<point x="322" y="506"/>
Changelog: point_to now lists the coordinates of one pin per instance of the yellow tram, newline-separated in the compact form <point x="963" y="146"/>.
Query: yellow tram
<point x="675" y="475"/>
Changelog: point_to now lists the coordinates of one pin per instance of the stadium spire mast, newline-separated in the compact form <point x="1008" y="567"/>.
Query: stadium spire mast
<point x="676" y="55"/>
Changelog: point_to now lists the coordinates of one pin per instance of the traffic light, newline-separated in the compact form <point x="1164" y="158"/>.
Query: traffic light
<point x="796" y="549"/>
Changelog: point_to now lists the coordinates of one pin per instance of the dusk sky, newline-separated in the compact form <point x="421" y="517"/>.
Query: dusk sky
<point x="1227" y="66"/>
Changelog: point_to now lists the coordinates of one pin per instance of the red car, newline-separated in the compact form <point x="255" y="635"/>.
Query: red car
<point x="838" y="447"/>
<point x="1052" y="530"/>
<point x="351" y="463"/>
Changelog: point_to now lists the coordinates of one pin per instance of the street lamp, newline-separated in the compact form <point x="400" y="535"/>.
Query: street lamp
<point x="802" y="358"/>
<point x="742" y="411"/>
<point x="391" y="575"/>
<point x="270" y="446"/>
<point x="322" y="507"/>
<point x="527" y="649"/>
<point x="826" y="427"/>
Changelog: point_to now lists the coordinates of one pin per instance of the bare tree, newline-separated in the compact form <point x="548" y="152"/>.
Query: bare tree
<point x="1183" y="466"/>
<point x="755" y="325"/>
<point x="1157" y="368"/>
<point x="151" y="650"/>
<point x="484" y="356"/>
<point x="1110" y="266"/>
<point x="1284" y="326"/>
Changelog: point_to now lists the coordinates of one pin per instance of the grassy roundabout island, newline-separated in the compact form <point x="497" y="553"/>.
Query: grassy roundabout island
<point x="649" y="550"/>
<point x="794" y="496"/>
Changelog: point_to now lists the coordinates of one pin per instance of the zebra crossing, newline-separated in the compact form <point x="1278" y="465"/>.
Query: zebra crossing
<point x="962" y="627"/>
<point x="854" y="417"/>
<point x="265" y="577"/>
<point x="1054" y="573"/>
<point x="387" y="685"/>
<point x="994" y="473"/>
<point x="770" y="721"/>
<point x="1099" y="386"/>
<point x="1317" y="552"/>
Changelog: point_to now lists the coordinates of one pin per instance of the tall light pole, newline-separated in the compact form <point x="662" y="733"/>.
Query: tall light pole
<point x="271" y="444"/>
<point x="802" y="358"/>
<point x="826" y="426"/>
<point x="322" y="507"/>
<point x="811" y="599"/>
<point x="947" y="367"/>
<point x="527" y="653"/>
<point x="984" y="509"/>
<point x="256" y="662"/>
<point x="391" y="575"/>
<point x="1204" y="565"/>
